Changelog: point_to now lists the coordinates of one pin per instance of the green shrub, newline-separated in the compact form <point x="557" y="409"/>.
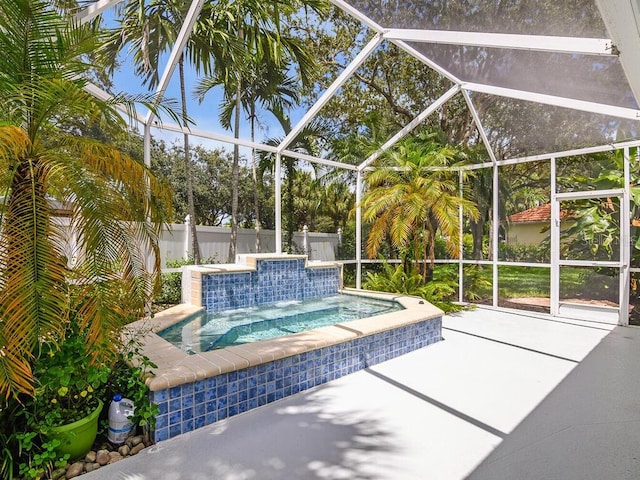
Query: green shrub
<point x="524" y="253"/>
<point x="128" y="377"/>
<point x="395" y="280"/>
<point x="171" y="290"/>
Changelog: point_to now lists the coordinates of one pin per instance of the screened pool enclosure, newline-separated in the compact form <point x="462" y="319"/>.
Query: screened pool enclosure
<point x="548" y="86"/>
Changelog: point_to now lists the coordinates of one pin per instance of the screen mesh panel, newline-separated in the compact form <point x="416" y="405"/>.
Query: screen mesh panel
<point x="582" y="77"/>
<point x="518" y="128"/>
<point x="577" y="18"/>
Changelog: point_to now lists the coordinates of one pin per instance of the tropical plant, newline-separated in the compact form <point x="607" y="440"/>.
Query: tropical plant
<point x="412" y="195"/>
<point x="113" y="203"/>
<point x="593" y="232"/>
<point x="305" y="142"/>
<point x="266" y="84"/>
<point x="68" y="385"/>
<point x="396" y="280"/>
<point x="258" y="26"/>
<point x="151" y="29"/>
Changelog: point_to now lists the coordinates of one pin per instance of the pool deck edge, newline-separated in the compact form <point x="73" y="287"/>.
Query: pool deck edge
<point x="176" y="367"/>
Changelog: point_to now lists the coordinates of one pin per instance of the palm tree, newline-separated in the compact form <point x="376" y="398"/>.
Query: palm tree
<point x="265" y="85"/>
<point x="150" y="29"/>
<point x="304" y="143"/>
<point x="411" y="197"/>
<point x="338" y="201"/>
<point x="114" y="203"/>
<point x="258" y="27"/>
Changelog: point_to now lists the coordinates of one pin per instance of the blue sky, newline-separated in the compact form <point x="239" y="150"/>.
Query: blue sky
<point x="205" y="114"/>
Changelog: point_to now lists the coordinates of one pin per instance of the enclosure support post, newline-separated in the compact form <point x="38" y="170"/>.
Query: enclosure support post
<point x="554" y="277"/>
<point x="460" y="242"/>
<point x="305" y="241"/>
<point x="187" y="238"/>
<point x="495" y="237"/>
<point x="625" y="242"/>
<point x="278" y="200"/>
<point x="359" y="230"/>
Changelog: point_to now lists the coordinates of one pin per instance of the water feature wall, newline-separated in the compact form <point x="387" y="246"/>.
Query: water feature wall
<point x="260" y="279"/>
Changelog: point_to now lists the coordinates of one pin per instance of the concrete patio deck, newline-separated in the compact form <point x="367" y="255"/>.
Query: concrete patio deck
<point x="504" y="396"/>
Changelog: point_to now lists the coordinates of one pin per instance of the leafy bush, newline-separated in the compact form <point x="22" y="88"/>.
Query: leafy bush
<point x="524" y="253"/>
<point x="68" y="382"/>
<point x="128" y="377"/>
<point x="171" y="290"/>
<point x="12" y="423"/>
<point x="69" y="386"/>
<point x="395" y="280"/>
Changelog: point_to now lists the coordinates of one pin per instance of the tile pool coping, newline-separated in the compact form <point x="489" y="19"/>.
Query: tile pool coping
<point x="176" y="367"/>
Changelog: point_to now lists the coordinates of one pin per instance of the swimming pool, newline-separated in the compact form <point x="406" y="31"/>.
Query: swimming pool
<point x="193" y="388"/>
<point x="210" y="331"/>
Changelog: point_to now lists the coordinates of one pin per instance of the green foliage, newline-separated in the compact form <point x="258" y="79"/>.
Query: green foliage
<point x="12" y="423"/>
<point x="476" y="282"/>
<point x="40" y="459"/>
<point x="128" y="378"/>
<point x="524" y="253"/>
<point x="115" y="205"/>
<point x="396" y="280"/>
<point x="171" y="289"/>
<point x="414" y="196"/>
<point x="171" y="283"/>
<point x="69" y="380"/>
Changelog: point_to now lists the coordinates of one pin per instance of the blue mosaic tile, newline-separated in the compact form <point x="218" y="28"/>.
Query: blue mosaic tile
<point x="175" y="418"/>
<point x="175" y="404"/>
<point x="161" y="434"/>
<point x="159" y="396"/>
<point x="163" y="408"/>
<point x="162" y="421"/>
<point x="187" y="426"/>
<point x="236" y="392"/>
<point x="199" y="422"/>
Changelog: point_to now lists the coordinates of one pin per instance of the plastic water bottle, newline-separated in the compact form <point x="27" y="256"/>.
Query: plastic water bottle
<point x="120" y="426"/>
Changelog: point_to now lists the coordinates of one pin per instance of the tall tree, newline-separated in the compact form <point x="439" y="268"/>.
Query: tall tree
<point x="265" y="85"/>
<point x="113" y="202"/>
<point x="412" y="195"/>
<point x="258" y="27"/>
<point x="150" y="29"/>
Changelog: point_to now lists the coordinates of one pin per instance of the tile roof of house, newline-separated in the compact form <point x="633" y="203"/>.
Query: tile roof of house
<point x="535" y="214"/>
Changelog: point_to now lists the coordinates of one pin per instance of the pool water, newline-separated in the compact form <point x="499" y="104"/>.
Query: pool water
<point x="210" y="331"/>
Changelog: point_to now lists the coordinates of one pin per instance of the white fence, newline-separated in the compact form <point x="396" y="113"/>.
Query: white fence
<point x="214" y="243"/>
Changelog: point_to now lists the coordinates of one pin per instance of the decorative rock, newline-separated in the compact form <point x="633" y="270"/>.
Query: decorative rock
<point x="138" y="448"/>
<point x="114" y="458"/>
<point x="107" y="454"/>
<point x="74" y="470"/>
<point x="102" y="457"/>
<point x="58" y="473"/>
<point x="124" y="450"/>
<point x="90" y="467"/>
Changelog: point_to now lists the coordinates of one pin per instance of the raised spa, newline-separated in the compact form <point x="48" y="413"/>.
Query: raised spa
<point x="195" y="385"/>
<point x="210" y="331"/>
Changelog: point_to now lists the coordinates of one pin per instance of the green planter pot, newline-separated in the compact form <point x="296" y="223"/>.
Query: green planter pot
<point x="77" y="438"/>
